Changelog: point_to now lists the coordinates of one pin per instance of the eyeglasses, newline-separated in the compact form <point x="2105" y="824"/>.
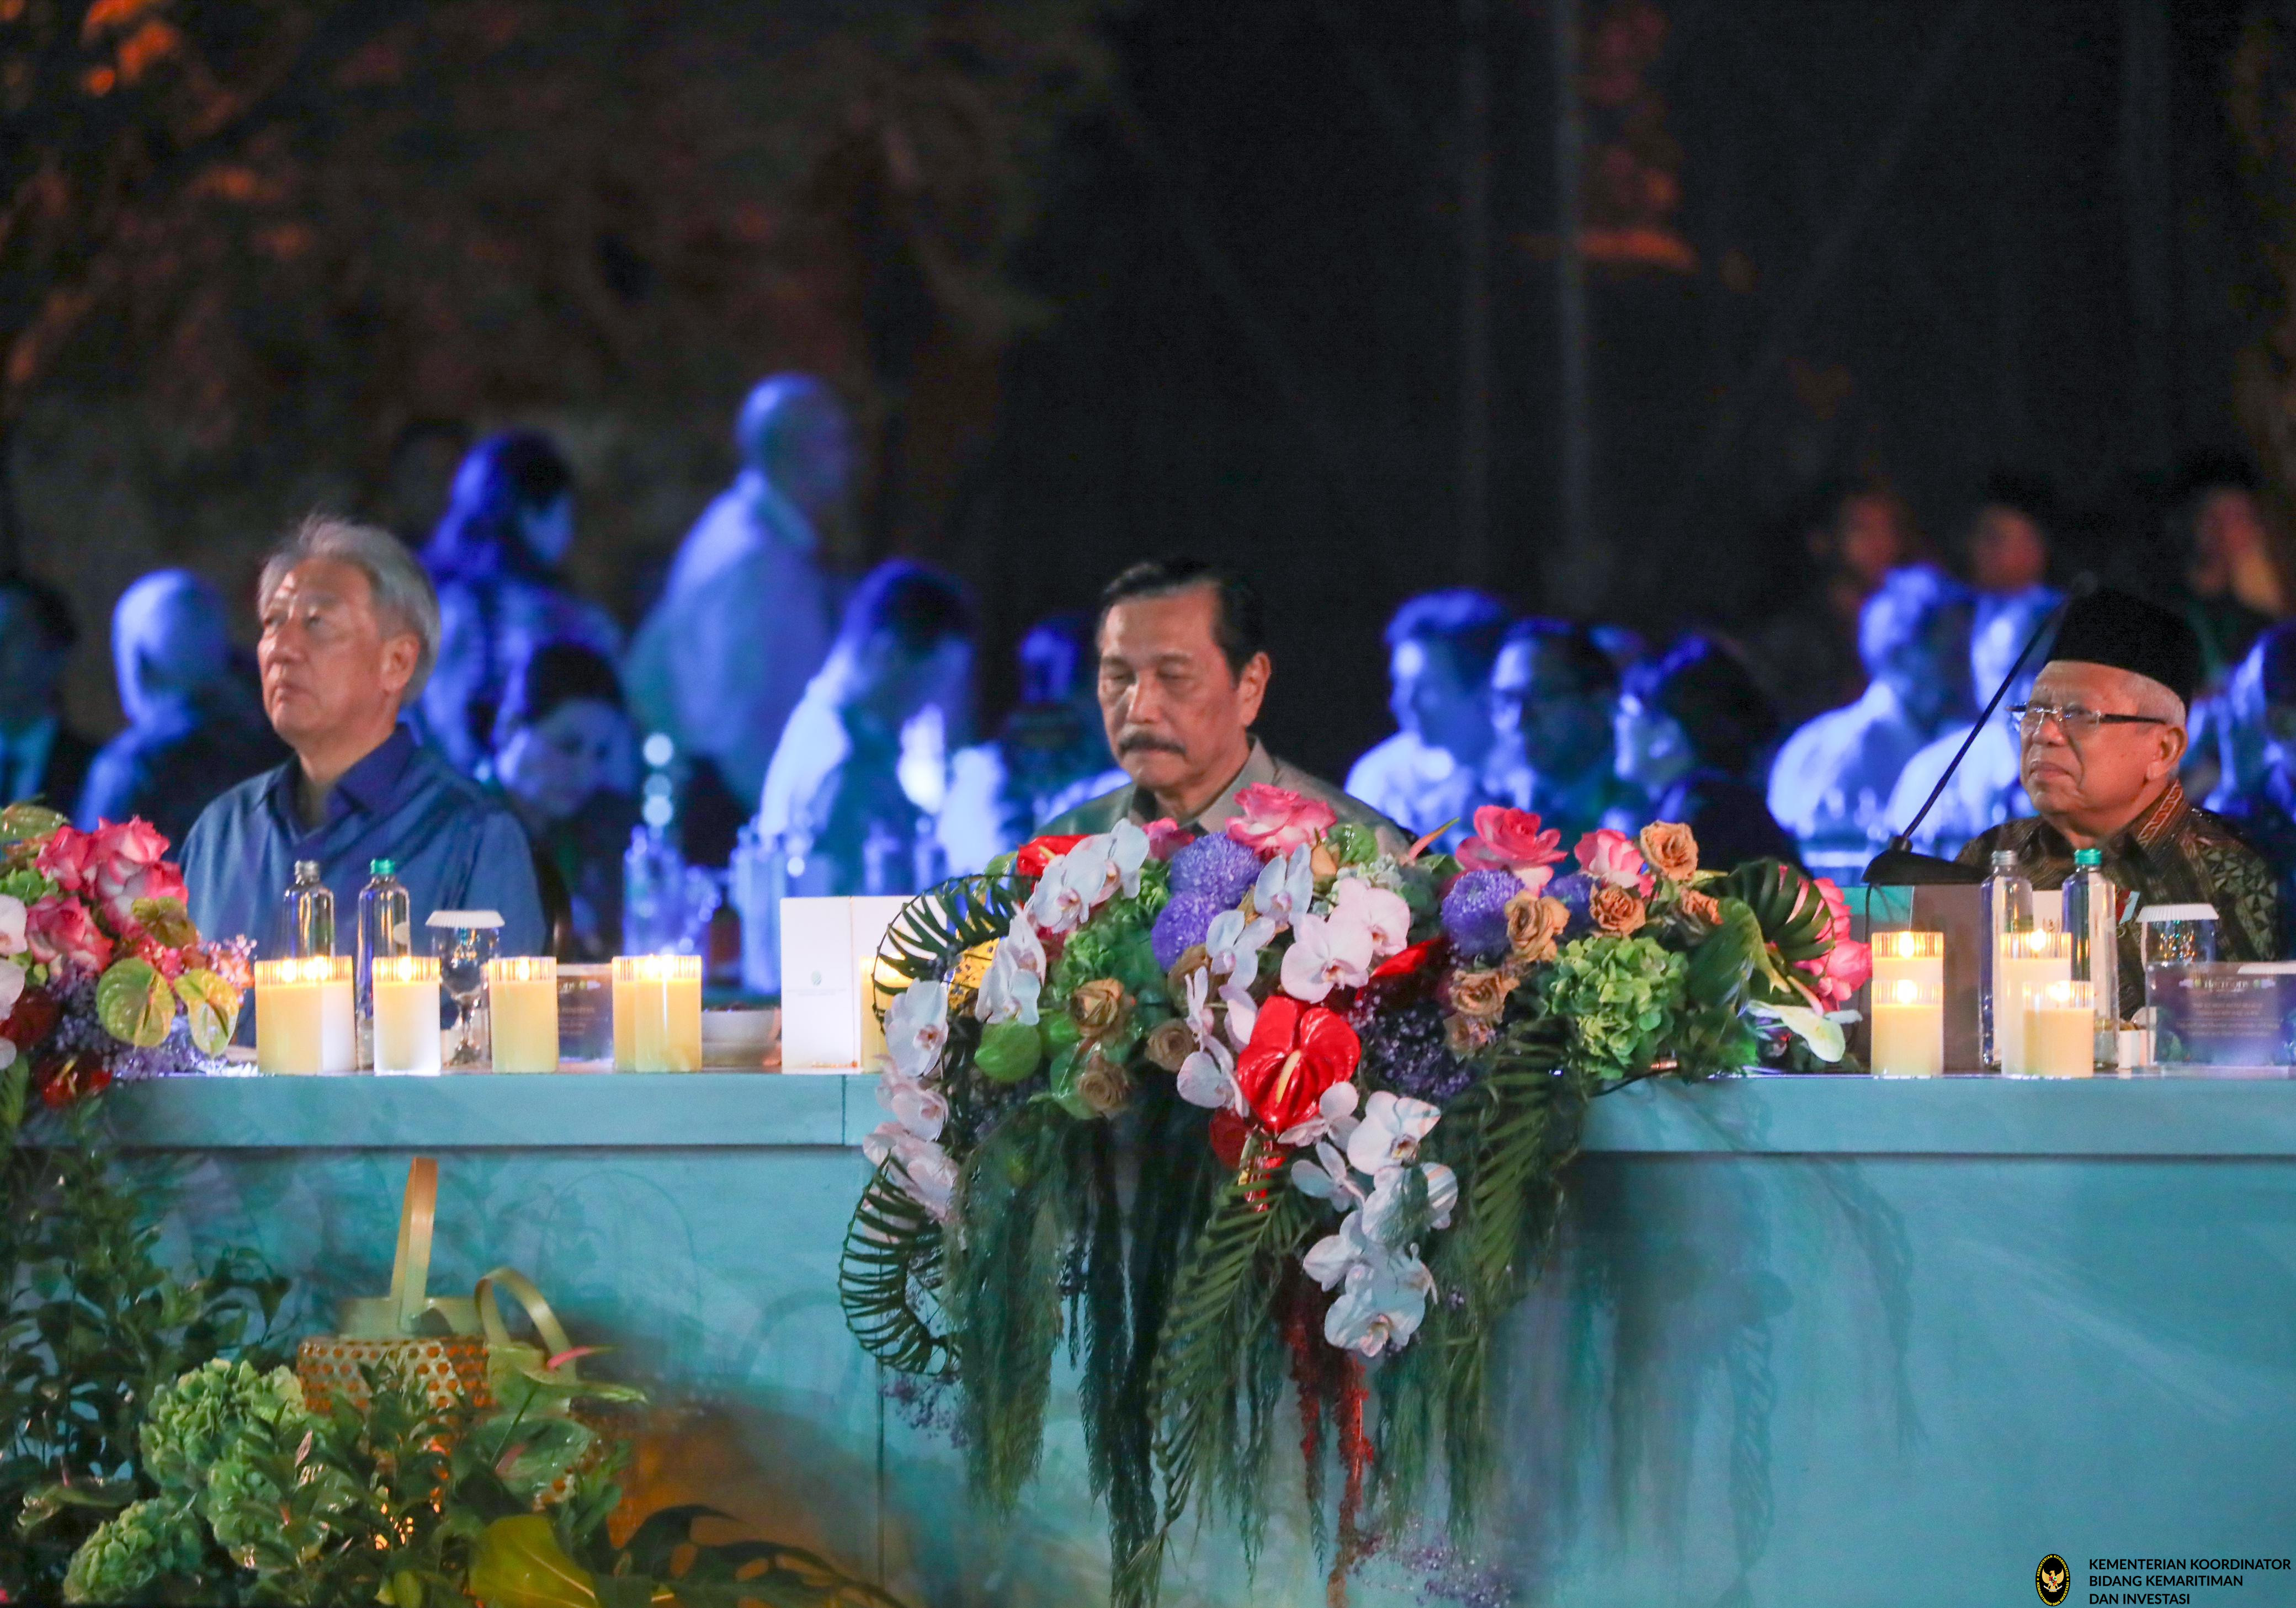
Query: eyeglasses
<point x="2075" y="721"/>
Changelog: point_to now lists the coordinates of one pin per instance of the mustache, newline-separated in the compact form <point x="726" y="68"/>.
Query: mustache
<point x="1147" y="742"/>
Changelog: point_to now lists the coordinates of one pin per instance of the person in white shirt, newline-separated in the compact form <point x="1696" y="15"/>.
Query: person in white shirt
<point x="1441" y="646"/>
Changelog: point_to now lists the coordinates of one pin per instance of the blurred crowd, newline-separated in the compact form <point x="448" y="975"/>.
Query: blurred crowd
<point x="767" y="713"/>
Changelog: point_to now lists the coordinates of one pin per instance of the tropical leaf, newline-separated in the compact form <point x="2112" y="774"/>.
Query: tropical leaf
<point x="1793" y="916"/>
<point x="23" y="822"/>
<point x="134" y="1002"/>
<point x="165" y="920"/>
<point x="937" y="927"/>
<point x="888" y="1280"/>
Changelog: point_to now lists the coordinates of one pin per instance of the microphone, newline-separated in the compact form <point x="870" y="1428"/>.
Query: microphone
<point x="1898" y="866"/>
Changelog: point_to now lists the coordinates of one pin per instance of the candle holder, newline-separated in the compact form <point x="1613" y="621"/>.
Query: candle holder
<point x="658" y="1013"/>
<point x="522" y="1004"/>
<point x="2027" y="958"/>
<point x="303" y="1020"/>
<point x="2059" y="1036"/>
<point x="1909" y="1027"/>
<point x="407" y="1015"/>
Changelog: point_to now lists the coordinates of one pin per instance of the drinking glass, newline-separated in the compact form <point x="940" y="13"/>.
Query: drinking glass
<point x="463" y="940"/>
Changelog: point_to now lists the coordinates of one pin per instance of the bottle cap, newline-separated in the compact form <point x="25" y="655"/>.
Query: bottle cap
<point x="306" y="871"/>
<point x="2088" y="856"/>
<point x="383" y="868"/>
<point x="2005" y="859"/>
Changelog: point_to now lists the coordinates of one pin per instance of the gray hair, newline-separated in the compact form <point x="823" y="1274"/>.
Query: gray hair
<point x="403" y="595"/>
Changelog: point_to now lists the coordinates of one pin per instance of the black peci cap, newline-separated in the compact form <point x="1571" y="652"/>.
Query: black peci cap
<point x="2124" y="631"/>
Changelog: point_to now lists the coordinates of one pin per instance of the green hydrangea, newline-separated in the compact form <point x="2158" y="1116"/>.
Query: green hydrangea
<point x="135" y="1553"/>
<point x="1116" y="942"/>
<point x="1619" y="995"/>
<point x="193" y="1420"/>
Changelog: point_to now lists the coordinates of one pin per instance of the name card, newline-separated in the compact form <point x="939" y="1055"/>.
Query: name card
<point x="2223" y="1014"/>
<point x="830" y="1000"/>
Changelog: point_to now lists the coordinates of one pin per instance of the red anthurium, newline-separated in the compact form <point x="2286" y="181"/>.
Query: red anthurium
<point x="1227" y="1135"/>
<point x="1411" y="962"/>
<point x="1037" y="853"/>
<point x="1296" y="1053"/>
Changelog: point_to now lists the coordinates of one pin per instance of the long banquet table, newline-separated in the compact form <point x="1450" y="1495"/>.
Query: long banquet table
<point x="1806" y="1339"/>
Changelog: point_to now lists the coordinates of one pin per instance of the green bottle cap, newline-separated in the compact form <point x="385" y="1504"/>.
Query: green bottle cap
<point x="2088" y="856"/>
<point x="383" y="868"/>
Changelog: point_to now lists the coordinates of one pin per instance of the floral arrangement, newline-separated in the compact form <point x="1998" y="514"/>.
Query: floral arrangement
<point x="101" y="972"/>
<point x="1351" y="1075"/>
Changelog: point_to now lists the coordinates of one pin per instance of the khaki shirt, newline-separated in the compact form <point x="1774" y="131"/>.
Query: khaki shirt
<point x="1262" y="769"/>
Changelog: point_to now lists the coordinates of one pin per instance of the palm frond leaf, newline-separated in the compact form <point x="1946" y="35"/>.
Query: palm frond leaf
<point x="935" y="929"/>
<point x="888" y="1280"/>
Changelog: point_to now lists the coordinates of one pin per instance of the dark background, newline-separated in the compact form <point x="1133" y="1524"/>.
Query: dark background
<point x="1102" y="281"/>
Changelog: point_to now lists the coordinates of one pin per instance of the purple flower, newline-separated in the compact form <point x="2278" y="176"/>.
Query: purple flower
<point x="1217" y="866"/>
<point x="1474" y="912"/>
<point x="1183" y="925"/>
<point x="1574" y="890"/>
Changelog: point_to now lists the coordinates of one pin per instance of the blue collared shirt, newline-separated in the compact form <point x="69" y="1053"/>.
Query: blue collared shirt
<point x="457" y="849"/>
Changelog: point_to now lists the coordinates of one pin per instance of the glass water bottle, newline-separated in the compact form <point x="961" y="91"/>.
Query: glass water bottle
<point x="2092" y="904"/>
<point x="309" y="909"/>
<point x="2007" y="898"/>
<point x="386" y="928"/>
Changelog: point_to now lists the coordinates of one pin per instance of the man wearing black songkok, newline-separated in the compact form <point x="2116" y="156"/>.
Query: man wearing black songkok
<point x="2100" y="745"/>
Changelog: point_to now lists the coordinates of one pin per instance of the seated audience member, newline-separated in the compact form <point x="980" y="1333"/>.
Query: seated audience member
<point x="495" y="559"/>
<point x="191" y="730"/>
<point x="2228" y="574"/>
<point x="747" y="614"/>
<point x="349" y="628"/>
<point x="2263" y="812"/>
<point x="1554" y="697"/>
<point x="40" y="757"/>
<point x="558" y="741"/>
<point x="1440" y="648"/>
<point x="1806" y="657"/>
<point x="2100" y="745"/>
<point x="1051" y="756"/>
<point x="1183" y="665"/>
<point x="1985" y="792"/>
<point x="2233" y="724"/>
<point x="1692" y="727"/>
<point x="1832" y="784"/>
<point x="2009" y="537"/>
<point x="838" y="792"/>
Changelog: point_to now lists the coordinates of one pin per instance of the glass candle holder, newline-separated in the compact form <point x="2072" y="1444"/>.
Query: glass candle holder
<point x="406" y="1014"/>
<point x="1909" y="1027"/>
<point x="658" y="1013"/>
<point x="1915" y="957"/>
<point x="2059" y="1035"/>
<point x="303" y="1020"/>
<point x="2026" y="959"/>
<point x="522" y="999"/>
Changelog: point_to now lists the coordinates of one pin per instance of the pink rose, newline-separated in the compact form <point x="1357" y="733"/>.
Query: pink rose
<point x="126" y="865"/>
<point x="1843" y="970"/>
<point x="1510" y="839"/>
<point x="1166" y="837"/>
<point x="1614" y="858"/>
<point x="63" y="934"/>
<point x="1275" y="820"/>
<point x="68" y="858"/>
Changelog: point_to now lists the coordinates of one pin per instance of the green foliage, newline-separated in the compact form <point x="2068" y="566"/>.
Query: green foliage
<point x="22" y="822"/>
<point x="1618" y="995"/>
<point x="211" y="1009"/>
<point x="1351" y="844"/>
<point x="1116" y="943"/>
<point x="1009" y="1052"/>
<point x="134" y="1002"/>
<point x="151" y="1553"/>
<point x="1792" y="917"/>
<point x="888" y="1280"/>
<point x="934" y="930"/>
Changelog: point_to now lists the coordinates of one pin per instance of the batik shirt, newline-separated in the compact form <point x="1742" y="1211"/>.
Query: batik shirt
<point x="2174" y="854"/>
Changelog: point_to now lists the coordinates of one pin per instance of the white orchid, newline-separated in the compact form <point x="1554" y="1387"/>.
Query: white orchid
<point x="1335" y="1115"/>
<point x="1327" y="952"/>
<point x="1198" y="1008"/>
<point x="1330" y="1259"/>
<point x="11" y="989"/>
<point x="1232" y="945"/>
<point x="916" y="1029"/>
<point x="922" y="1168"/>
<point x="1242" y="1012"/>
<point x="1383" y="1305"/>
<point x="1390" y="1134"/>
<point x="1015" y="978"/>
<point x="1327" y="1178"/>
<point x="12" y="924"/>
<point x="1381" y="913"/>
<point x="1208" y="1078"/>
<point x="1127" y="852"/>
<point x="1287" y="886"/>
<point x="916" y="1106"/>
<point x="1384" y="1208"/>
<point x="1069" y="888"/>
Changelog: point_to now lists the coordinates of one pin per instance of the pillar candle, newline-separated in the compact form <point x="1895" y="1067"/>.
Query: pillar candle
<point x="523" y="992"/>
<point x="663" y="996"/>
<point x="303" y="1020"/>
<point x="2060" y="1030"/>
<point x="1915" y="957"/>
<point x="1908" y="1028"/>
<point x="2032" y="959"/>
<point x="406" y="1013"/>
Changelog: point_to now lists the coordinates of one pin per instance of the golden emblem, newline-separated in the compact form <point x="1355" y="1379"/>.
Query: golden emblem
<point x="2052" y="1581"/>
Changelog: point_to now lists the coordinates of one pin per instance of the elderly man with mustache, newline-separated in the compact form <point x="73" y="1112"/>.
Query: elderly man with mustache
<point x="2100" y="742"/>
<point x="1183" y="668"/>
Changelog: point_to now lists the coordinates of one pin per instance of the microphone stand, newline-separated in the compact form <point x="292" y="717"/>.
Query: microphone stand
<point x="1898" y="866"/>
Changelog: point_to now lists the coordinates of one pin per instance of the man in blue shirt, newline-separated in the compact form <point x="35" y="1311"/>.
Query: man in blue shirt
<point x="350" y="628"/>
